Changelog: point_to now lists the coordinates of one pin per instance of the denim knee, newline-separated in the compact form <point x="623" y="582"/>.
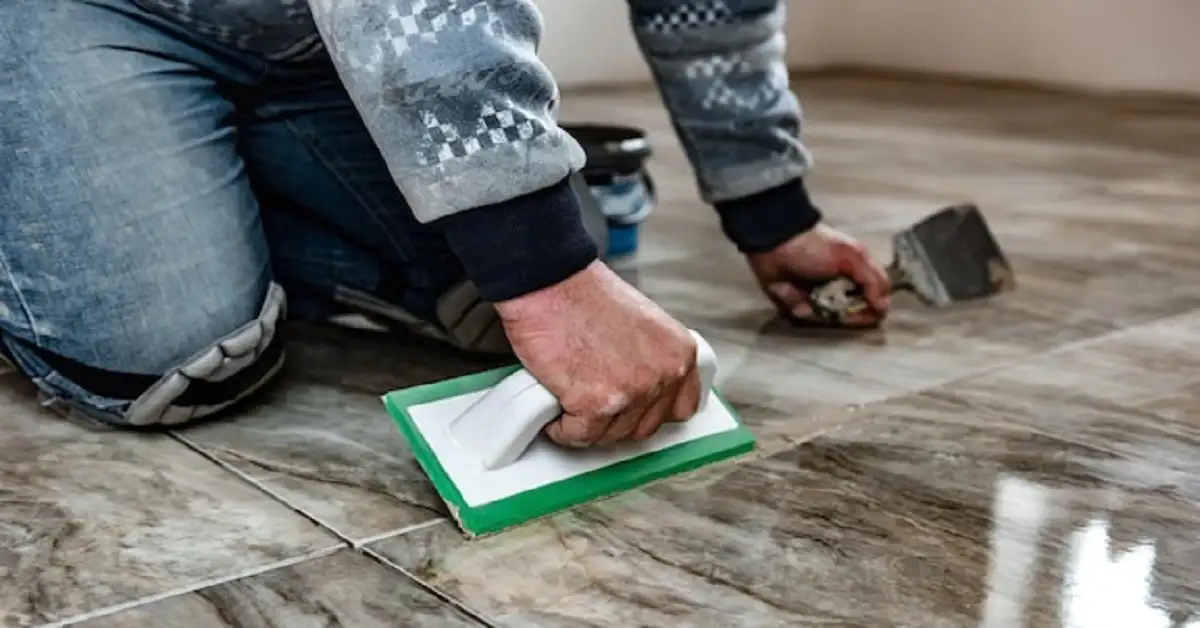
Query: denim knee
<point x="217" y="375"/>
<point x="130" y="238"/>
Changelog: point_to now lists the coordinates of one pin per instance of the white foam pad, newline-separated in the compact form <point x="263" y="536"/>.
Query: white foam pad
<point x="545" y="463"/>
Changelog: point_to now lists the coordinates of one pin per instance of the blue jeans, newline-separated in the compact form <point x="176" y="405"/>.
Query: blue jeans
<point x="160" y="194"/>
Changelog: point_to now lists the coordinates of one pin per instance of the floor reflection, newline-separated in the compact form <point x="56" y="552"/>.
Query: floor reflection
<point x="1109" y="583"/>
<point x="1058" y="560"/>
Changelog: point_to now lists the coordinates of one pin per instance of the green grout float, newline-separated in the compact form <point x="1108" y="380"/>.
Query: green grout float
<point x="479" y="439"/>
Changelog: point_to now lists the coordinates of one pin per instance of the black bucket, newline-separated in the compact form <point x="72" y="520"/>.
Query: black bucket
<point x="616" y="176"/>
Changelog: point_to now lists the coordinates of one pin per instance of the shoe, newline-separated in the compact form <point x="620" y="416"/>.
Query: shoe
<point x="463" y="320"/>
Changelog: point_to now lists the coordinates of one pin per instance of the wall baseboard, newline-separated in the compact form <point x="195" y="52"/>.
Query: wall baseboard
<point x="916" y="77"/>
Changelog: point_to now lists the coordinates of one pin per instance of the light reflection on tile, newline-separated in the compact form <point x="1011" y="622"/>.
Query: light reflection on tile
<point x="921" y="513"/>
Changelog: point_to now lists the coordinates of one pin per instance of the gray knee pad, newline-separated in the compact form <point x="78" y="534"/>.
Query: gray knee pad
<point x="254" y="349"/>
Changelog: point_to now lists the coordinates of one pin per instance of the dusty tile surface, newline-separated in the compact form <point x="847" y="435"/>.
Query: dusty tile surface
<point x="912" y="512"/>
<point x="90" y="520"/>
<point x="344" y="589"/>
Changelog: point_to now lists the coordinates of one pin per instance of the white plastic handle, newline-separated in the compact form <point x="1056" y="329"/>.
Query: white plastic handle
<point x="502" y="424"/>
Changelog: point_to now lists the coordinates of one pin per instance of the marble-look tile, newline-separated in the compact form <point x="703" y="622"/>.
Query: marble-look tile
<point x="786" y="401"/>
<point x="322" y="441"/>
<point x="330" y="452"/>
<point x="1103" y="260"/>
<point x="343" y="589"/>
<point x="1128" y="368"/>
<point x="918" y="347"/>
<point x="688" y="268"/>
<point x="1135" y="124"/>
<point x="920" y="513"/>
<point x="1089" y="395"/>
<point x="94" y="519"/>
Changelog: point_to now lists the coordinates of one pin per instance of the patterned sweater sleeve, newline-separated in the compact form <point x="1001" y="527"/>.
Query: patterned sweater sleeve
<point x="720" y="68"/>
<point x="464" y="114"/>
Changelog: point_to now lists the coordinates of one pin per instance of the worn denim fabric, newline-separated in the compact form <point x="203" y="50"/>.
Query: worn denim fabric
<point x="154" y="184"/>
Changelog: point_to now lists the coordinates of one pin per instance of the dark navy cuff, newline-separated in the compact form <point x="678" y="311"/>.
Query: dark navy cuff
<point x="522" y="245"/>
<point x="760" y="222"/>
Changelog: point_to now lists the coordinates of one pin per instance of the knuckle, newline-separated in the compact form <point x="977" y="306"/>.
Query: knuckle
<point x="600" y="403"/>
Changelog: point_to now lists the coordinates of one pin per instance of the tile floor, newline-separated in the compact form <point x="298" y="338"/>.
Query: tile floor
<point x="1034" y="461"/>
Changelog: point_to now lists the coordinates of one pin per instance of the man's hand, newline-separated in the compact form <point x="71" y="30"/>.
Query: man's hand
<point x="619" y="365"/>
<point x="816" y="256"/>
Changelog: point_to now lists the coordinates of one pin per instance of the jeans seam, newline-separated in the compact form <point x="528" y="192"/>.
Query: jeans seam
<point x="350" y="189"/>
<point x="25" y="309"/>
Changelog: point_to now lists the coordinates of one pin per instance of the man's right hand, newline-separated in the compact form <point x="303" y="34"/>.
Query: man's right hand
<point x="619" y="365"/>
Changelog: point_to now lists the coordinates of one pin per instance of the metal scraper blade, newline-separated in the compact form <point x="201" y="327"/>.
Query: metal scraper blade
<point x="951" y="256"/>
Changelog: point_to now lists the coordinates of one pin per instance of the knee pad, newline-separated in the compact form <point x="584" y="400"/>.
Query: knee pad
<point x="213" y="379"/>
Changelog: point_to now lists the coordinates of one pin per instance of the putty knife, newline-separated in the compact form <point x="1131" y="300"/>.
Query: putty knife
<point x="479" y="439"/>
<point x="948" y="257"/>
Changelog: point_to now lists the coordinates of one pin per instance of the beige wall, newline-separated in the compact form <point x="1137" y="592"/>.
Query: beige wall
<point x="589" y="42"/>
<point x="1103" y="44"/>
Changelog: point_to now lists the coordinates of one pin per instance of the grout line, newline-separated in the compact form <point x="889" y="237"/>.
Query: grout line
<point x="360" y="544"/>
<point x="430" y="587"/>
<point x="194" y="587"/>
<point x="262" y="487"/>
<point x="1075" y="345"/>
<point x="901" y="393"/>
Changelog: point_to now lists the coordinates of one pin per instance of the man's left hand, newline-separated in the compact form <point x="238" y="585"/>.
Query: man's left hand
<point x="821" y="254"/>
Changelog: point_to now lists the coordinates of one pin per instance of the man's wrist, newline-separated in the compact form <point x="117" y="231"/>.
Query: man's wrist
<point x="522" y="245"/>
<point x="760" y="222"/>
